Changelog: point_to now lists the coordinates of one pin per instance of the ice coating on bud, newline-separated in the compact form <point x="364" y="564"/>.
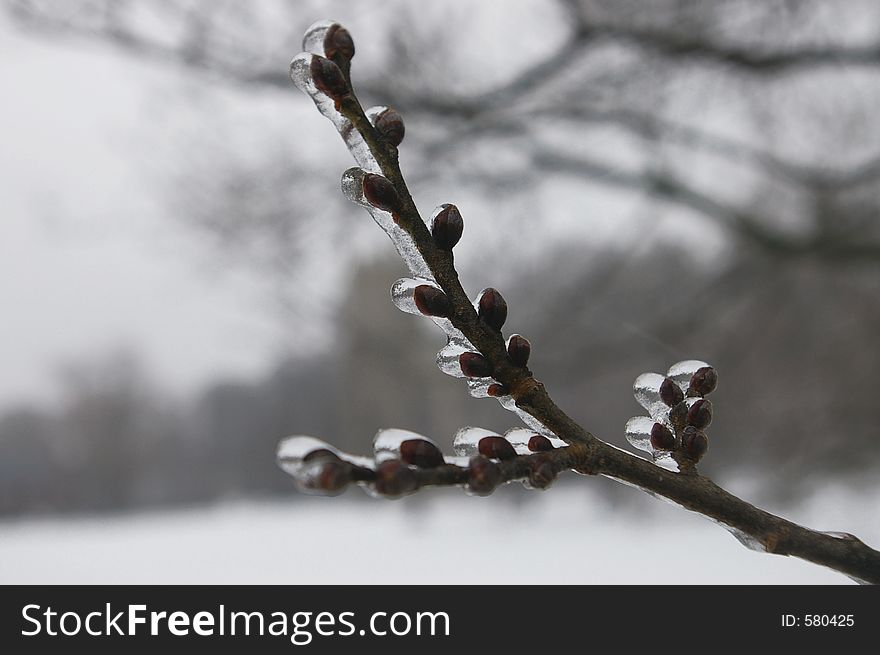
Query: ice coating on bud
<point x="431" y="301"/>
<point x="353" y="188"/>
<point x="681" y="372"/>
<point x="448" y="359"/>
<point x="388" y="122"/>
<point x="325" y="477"/>
<point x="646" y="389"/>
<point x="492" y="308"/>
<point x="380" y="193"/>
<point x="316" y="466"/>
<point x="519" y="349"/>
<point x="386" y="443"/>
<point x="292" y="451"/>
<point x="638" y="432"/>
<point x="520" y="438"/>
<point x="328" y="38"/>
<point x="642" y="431"/>
<point x="447" y="226"/>
<point x="479" y="387"/>
<point x="295" y="450"/>
<point x="301" y="74"/>
<point x="403" y="291"/>
<point x="466" y="440"/>
<point x="313" y="38"/>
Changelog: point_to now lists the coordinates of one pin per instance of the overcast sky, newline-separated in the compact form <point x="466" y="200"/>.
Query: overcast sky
<point x="91" y="258"/>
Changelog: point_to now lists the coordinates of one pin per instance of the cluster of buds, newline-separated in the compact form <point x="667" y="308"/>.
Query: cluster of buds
<point x="404" y="461"/>
<point x="679" y="412"/>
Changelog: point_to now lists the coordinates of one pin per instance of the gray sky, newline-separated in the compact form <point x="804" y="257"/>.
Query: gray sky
<point x="91" y="259"/>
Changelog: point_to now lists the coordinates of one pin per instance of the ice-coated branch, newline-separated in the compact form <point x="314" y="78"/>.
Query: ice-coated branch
<point x="673" y="433"/>
<point x="405" y="462"/>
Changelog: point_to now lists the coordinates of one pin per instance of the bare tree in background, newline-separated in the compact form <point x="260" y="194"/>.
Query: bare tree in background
<point x="747" y="124"/>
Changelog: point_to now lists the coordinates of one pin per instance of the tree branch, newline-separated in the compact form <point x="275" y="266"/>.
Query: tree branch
<point x="686" y="487"/>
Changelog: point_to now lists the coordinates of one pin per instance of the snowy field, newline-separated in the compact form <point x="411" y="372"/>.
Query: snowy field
<point x="569" y="535"/>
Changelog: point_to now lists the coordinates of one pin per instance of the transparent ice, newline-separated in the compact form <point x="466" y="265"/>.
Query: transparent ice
<point x="479" y="387"/>
<point x="466" y="441"/>
<point x="447" y="358"/>
<point x="301" y="75"/>
<point x="638" y="433"/>
<point x="681" y="372"/>
<point x="386" y="444"/>
<point x="313" y="39"/>
<point x="402" y="294"/>
<point x="293" y="449"/>
<point x="745" y="539"/>
<point x="646" y="389"/>
<point x="353" y="189"/>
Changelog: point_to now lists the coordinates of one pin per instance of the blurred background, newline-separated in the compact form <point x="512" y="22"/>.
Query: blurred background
<point x="183" y="283"/>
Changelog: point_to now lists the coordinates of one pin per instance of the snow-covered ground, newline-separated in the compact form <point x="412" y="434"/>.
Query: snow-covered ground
<point x="568" y="535"/>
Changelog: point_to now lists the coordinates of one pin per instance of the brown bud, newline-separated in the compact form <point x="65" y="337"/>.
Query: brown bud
<point x="320" y="453"/>
<point x="496" y="448"/>
<point x="325" y="476"/>
<point x="474" y="365"/>
<point x="539" y="443"/>
<point x="380" y="193"/>
<point x="662" y="437"/>
<point x="483" y="476"/>
<point x="541" y="474"/>
<point x="421" y="453"/>
<point x="328" y="78"/>
<point x="678" y="416"/>
<point x="519" y="349"/>
<point x="704" y="381"/>
<point x="390" y="125"/>
<point x="695" y="442"/>
<point x="700" y="414"/>
<point x="338" y="41"/>
<point x="431" y="301"/>
<point x="492" y="308"/>
<point x="670" y="393"/>
<point x="447" y="227"/>
<point x="394" y="478"/>
<point x="497" y="390"/>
